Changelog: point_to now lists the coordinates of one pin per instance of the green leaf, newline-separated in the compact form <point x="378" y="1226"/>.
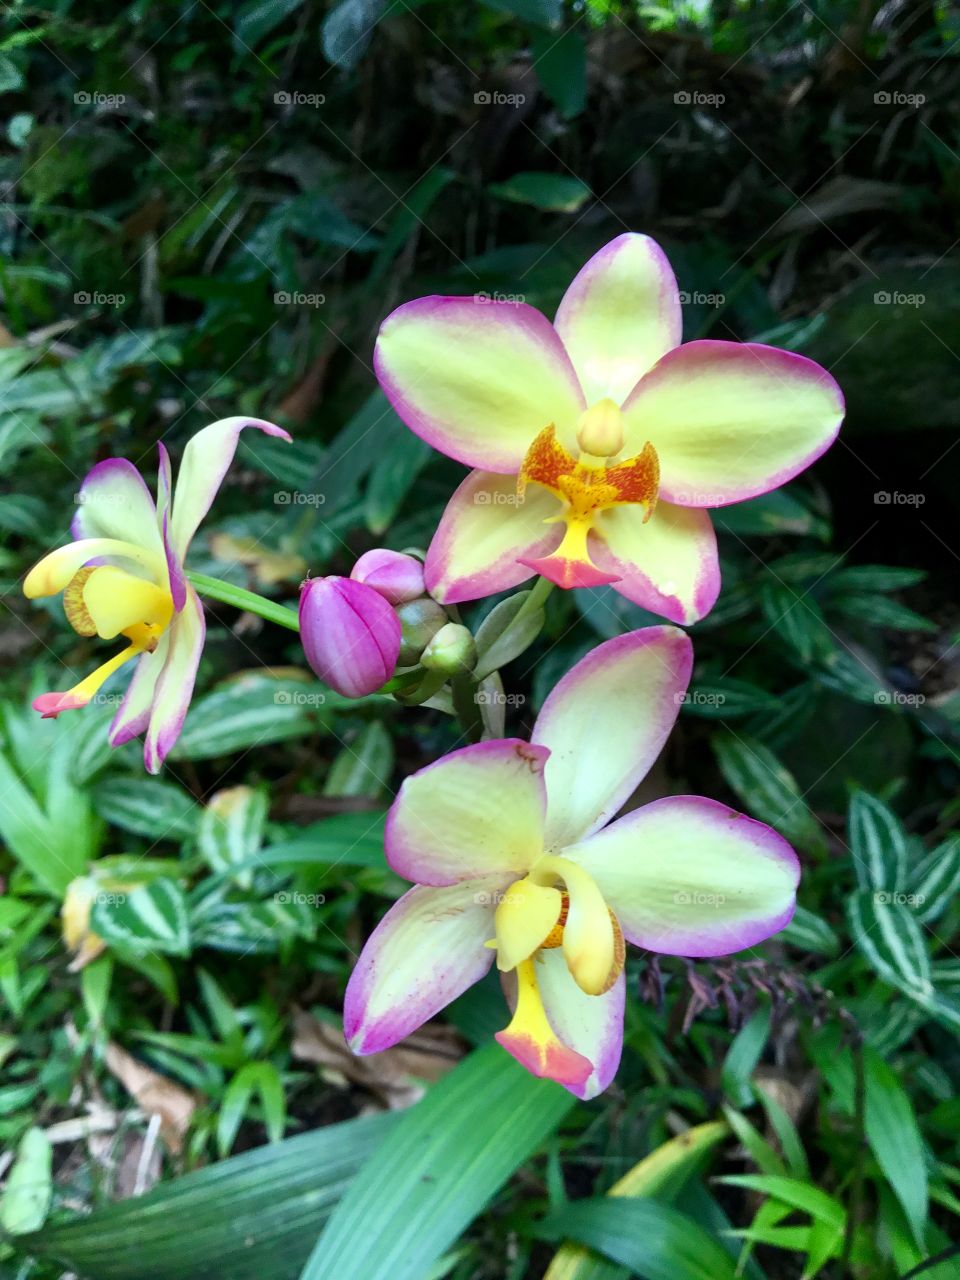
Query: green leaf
<point x="772" y="513"/>
<point x="400" y="461"/>
<point x="250" y="711"/>
<point x="407" y="219"/>
<point x="53" y="858"/>
<point x="151" y="917"/>
<point x="364" y="766"/>
<point x="561" y="66"/>
<point x="877" y="843"/>
<point x="653" y="1240"/>
<point x="795" y="1192"/>
<point x="768" y="790"/>
<point x="231" y="830"/>
<point x="438" y="1169"/>
<point x="151" y="807"/>
<point x="724" y="698"/>
<point x="347" y="29"/>
<point x="811" y="932"/>
<point x="255" y="1077"/>
<point x="894" y="1137"/>
<point x="873" y="577"/>
<point x="935" y="881"/>
<point x="551" y="192"/>
<point x="887" y="933"/>
<point x="500" y="639"/>
<point x="541" y="13"/>
<point x="251" y="1217"/>
<point x="258" y="18"/>
<point x="742" y="1057"/>
<point x="29" y="1186"/>
<point x="880" y="611"/>
<point x="798" y="621"/>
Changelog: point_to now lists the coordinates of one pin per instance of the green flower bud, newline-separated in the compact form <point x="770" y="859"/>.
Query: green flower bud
<point x="420" y="620"/>
<point x="452" y="650"/>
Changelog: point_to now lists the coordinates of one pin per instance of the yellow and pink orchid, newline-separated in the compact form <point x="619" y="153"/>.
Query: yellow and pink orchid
<point x="509" y="850"/>
<point x="123" y="575"/>
<point x="599" y="440"/>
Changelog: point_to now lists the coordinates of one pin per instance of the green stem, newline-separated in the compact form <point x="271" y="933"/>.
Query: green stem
<point x="535" y="600"/>
<point x="241" y="598"/>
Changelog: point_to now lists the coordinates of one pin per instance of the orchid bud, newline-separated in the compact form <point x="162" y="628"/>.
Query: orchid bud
<point x="350" y="634"/>
<point x="452" y="650"/>
<point x="421" y="620"/>
<point x="600" y="429"/>
<point x="396" y="576"/>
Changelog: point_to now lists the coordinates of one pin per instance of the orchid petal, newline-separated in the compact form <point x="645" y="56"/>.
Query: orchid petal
<point x="620" y="314"/>
<point x="175" y="684"/>
<point x="667" y="564"/>
<point x="133" y="715"/>
<point x="591" y="1025"/>
<point x="427" y="950"/>
<point x="52" y="574"/>
<point x="478" y="811"/>
<point x="116" y="600"/>
<point x="532" y="1039"/>
<point x="689" y="876"/>
<point x="114" y="502"/>
<point x="484" y="531"/>
<point x="731" y="420"/>
<point x="478" y="380"/>
<point x="605" y="724"/>
<point x="206" y="460"/>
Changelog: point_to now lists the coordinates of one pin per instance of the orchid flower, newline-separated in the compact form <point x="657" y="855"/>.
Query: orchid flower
<point x="123" y="575"/>
<point x="599" y="440"/>
<point x="508" y="846"/>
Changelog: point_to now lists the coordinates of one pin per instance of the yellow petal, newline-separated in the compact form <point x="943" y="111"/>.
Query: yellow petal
<point x="116" y="601"/>
<point x="526" y="914"/>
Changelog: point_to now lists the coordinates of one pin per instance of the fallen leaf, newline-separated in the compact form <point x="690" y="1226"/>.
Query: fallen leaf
<point x="269" y="567"/>
<point x="398" y="1076"/>
<point x="156" y="1095"/>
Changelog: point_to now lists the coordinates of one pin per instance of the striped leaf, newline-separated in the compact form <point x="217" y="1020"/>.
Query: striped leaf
<point x="261" y="927"/>
<point x="438" y="1169"/>
<point x="253" y="1217"/>
<point x="936" y="880"/>
<point x="726" y="699"/>
<point x="150" y="917"/>
<point x="151" y="807"/>
<point x="767" y="789"/>
<point x="364" y="766"/>
<point x="231" y="829"/>
<point x="251" y="710"/>
<point x="798" y="620"/>
<point x="810" y="932"/>
<point x="878" y="844"/>
<point x="888" y="935"/>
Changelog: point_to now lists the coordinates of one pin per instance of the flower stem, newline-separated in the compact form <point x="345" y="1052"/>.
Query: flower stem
<point x="241" y="598"/>
<point x="536" y="599"/>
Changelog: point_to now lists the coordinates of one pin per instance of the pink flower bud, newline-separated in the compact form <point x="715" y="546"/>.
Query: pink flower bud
<point x="350" y="634"/>
<point x="397" y="577"/>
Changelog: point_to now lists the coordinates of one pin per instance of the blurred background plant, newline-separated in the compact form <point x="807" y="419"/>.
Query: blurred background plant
<point x="208" y="209"/>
